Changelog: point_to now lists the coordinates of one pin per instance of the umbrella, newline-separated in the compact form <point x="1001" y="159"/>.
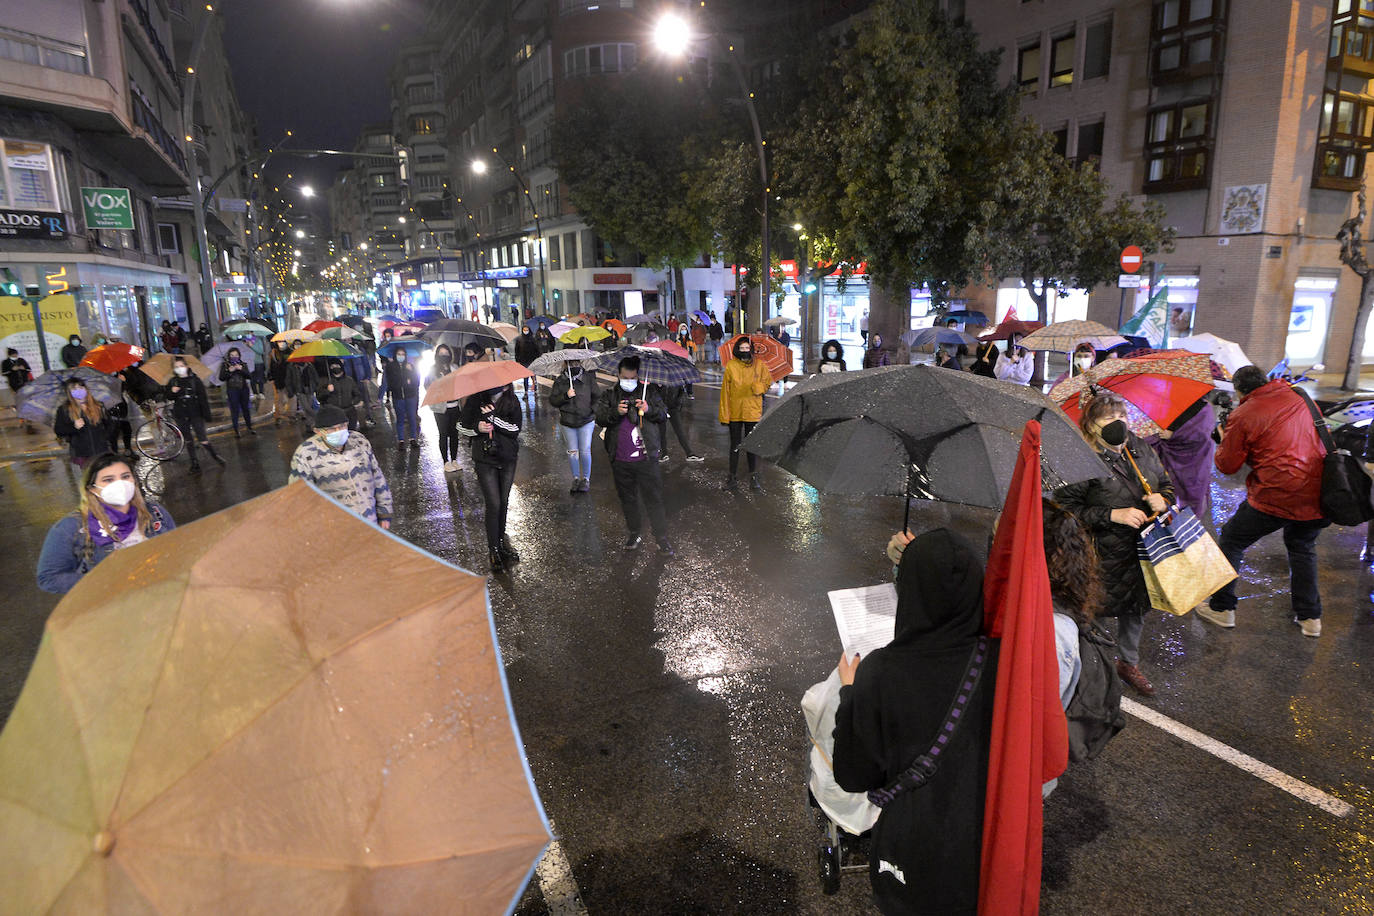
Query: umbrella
<point x="353" y="321"/>
<point x="110" y="358"/>
<point x="1064" y="336"/>
<point x="1219" y="373"/>
<point x="777" y="357"/>
<point x="1158" y="387"/>
<point x="560" y="328"/>
<point x="924" y="337"/>
<point x="917" y="430"/>
<point x="615" y="326"/>
<point x="474" y="377"/>
<point x="412" y="346"/>
<point x="292" y="335"/>
<point x="541" y="321"/>
<point x="641" y="331"/>
<point x="668" y="346"/>
<point x="243" y="328"/>
<point x="409" y="328"/>
<point x="39" y="399"/>
<point x="967" y="316"/>
<point x="556" y="362"/>
<point x="505" y="329"/>
<point x="324" y="349"/>
<point x="582" y="335"/>
<point x="1227" y="353"/>
<point x="394" y="319"/>
<point x="268" y="737"/>
<point x="703" y="317"/>
<point x="342" y="332"/>
<point x="216" y="355"/>
<point x="643" y="318"/>
<point x="160" y="368"/>
<point x="779" y="321"/>
<point x="656" y="367"/>
<point x="319" y="324"/>
<point x="1006" y="329"/>
<point x="461" y="331"/>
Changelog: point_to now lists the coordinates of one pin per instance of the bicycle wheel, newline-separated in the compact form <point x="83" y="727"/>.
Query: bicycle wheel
<point x="158" y="439"/>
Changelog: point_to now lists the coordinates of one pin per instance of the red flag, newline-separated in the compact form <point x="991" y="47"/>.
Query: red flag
<point x="1010" y="315"/>
<point x="1030" y="741"/>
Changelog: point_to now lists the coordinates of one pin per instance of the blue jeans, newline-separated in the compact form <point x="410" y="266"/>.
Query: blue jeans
<point x="1246" y="527"/>
<point x="579" y="441"/>
<point x="407" y="415"/>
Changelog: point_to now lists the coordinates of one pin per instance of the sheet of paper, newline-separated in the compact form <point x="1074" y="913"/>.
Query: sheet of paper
<point x="866" y="617"/>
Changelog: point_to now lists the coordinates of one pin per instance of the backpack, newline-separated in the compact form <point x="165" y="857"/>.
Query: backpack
<point x="1094" y="711"/>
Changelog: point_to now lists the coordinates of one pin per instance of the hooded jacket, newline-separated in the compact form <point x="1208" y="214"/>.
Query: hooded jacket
<point x="526" y="348"/>
<point x="502" y="445"/>
<point x="189" y="399"/>
<point x="927" y="842"/>
<point x="579" y="410"/>
<point x="827" y="364"/>
<point x="742" y="388"/>
<point x="608" y="416"/>
<point x="1272" y="431"/>
<point x="72" y="354"/>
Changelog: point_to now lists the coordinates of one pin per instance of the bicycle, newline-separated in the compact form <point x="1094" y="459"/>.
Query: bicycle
<point x="158" y="438"/>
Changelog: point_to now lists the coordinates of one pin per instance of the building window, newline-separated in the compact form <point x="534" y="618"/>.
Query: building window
<point x="592" y="59"/>
<point x="1346" y="130"/>
<point x="1062" y="51"/>
<point x="1028" y="68"/>
<point x="577" y="6"/>
<point x="1178" y="146"/>
<point x="426" y="125"/>
<point x="1061" y="141"/>
<point x="1097" y="50"/>
<point x="555" y="254"/>
<point x="168" y="238"/>
<point x="1185" y="39"/>
<point x="1089" y="149"/>
<point x="27" y="177"/>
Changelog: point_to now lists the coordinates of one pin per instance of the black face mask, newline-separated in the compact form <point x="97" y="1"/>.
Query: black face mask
<point x="336" y="372"/>
<point x="1114" y="433"/>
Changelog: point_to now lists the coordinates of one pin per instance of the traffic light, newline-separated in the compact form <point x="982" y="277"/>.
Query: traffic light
<point x="10" y="284"/>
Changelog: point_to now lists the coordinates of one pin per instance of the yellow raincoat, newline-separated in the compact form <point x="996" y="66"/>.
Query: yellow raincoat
<point x="742" y="390"/>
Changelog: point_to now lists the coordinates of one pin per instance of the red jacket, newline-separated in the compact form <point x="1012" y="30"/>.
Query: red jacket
<point x="1272" y="431"/>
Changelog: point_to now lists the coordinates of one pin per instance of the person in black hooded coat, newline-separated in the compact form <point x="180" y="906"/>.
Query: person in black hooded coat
<point x="927" y="843"/>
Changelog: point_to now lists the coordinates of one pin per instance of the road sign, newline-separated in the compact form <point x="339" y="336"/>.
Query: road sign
<point x="1131" y="259"/>
<point x="107" y="208"/>
<point x="1129" y="281"/>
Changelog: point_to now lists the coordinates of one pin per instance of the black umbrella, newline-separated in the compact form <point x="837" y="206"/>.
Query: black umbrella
<point x="643" y="318"/>
<point x="460" y="332"/>
<point x="917" y="431"/>
<point x="355" y="322"/>
<point x="40" y="398"/>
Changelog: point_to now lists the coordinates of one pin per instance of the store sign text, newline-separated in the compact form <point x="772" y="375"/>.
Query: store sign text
<point x="32" y="224"/>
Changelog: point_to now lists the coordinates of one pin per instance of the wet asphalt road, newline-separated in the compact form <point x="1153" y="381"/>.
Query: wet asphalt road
<point x="658" y="697"/>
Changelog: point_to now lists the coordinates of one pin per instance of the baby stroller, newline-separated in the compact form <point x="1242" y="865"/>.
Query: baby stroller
<point x="845" y="819"/>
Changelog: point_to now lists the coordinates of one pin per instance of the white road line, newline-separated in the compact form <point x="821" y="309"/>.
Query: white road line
<point x="1295" y="787"/>
<point x="556" y="881"/>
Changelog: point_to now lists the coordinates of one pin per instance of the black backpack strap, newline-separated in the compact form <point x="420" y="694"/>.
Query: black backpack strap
<point x="920" y="772"/>
<point x="1323" y="431"/>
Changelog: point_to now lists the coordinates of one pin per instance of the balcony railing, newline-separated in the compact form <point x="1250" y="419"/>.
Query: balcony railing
<point x="145" y="19"/>
<point x="146" y="118"/>
<point x="537" y="99"/>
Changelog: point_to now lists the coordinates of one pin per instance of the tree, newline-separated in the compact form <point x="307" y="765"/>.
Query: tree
<point x="1353" y="256"/>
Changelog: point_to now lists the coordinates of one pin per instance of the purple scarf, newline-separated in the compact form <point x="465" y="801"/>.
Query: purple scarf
<point x="124" y="525"/>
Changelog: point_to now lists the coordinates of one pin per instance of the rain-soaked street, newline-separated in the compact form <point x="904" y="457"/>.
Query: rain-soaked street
<point x="658" y="698"/>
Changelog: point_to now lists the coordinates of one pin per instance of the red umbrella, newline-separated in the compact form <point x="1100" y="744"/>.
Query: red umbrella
<point x="320" y="324"/>
<point x="110" y="358"/>
<point x="667" y="346"/>
<point x="615" y="326"/>
<point x="1157" y="386"/>
<point x="775" y="356"/>
<point x="1030" y="738"/>
<point x="1009" y="327"/>
<point x="472" y="378"/>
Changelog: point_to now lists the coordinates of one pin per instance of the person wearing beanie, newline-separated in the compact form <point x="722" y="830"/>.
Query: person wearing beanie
<point x="342" y="465"/>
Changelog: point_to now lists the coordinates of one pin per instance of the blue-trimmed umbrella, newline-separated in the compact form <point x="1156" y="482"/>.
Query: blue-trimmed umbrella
<point x="540" y="321"/>
<point x="39" y="399"/>
<point x="412" y="345"/>
<point x="924" y="337"/>
<point x="217" y="354"/>
<point x="655" y="366"/>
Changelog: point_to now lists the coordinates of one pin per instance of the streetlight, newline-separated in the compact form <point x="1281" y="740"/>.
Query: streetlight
<point x="307" y="191"/>
<point x="300" y="233"/>
<point x="479" y="166"/>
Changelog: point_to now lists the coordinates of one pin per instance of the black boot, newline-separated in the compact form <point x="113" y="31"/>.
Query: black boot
<point x="498" y="565"/>
<point x="508" y="553"/>
<point x="756" y="481"/>
<point x="195" y="462"/>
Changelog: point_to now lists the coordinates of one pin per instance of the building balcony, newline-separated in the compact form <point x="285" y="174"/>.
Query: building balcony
<point x="166" y="169"/>
<point x="1352" y="49"/>
<point x="539" y="98"/>
<point x="145" y="21"/>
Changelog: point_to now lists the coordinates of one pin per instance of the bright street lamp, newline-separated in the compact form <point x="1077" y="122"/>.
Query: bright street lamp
<point x="479" y="167"/>
<point x="307" y="191"/>
<point x="362" y="246"/>
<point x="300" y="233"/>
<point x="672" y="35"/>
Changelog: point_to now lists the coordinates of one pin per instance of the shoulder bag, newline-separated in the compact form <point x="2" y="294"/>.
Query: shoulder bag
<point x="1345" y="485"/>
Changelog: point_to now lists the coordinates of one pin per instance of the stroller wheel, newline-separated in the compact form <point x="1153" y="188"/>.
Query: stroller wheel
<point x="829" y="857"/>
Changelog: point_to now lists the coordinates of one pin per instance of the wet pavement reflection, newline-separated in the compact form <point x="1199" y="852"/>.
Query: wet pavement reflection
<point x="658" y="697"/>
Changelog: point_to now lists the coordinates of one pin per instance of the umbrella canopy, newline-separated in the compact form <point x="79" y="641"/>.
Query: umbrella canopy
<point x="1226" y="352"/>
<point x="244" y="328"/>
<point x="39" y="399"/>
<point x="779" y="321"/>
<point x="412" y="346"/>
<point x="408" y="328"/>
<point x="319" y="324"/>
<point x="972" y="316"/>
<point x="342" y="332"/>
<point x="471" y="378"/>
<point x="643" y="318"/>
<point x="1064" y="336"/>
<point x="584" y="334"/>
<point x="353" y="321"/>
<point x="1158" y="387"/>
<point x="217" y="354"/>
<point x="864" y="432"/>
<point x="924" y="337"/>
<point x="656" y="367"/>
<point x="268" y="737"/>
<point x="703" y="317"/>
<point x="324" y="349"/>
<point x="1006" y="329"/>
<point x="559" y="328"/>
<point x="668" y="346"/>
<point x="461" y="331"/>
<point x="110" y="358"/>
<point x="556" y="362"/>
<point x="390" y="317"/>
<point x="615" y="326"/>
<point x="777" y="357"/>
<point x="507" y="330"/>
<point x="541" y="321"/>
<point x="292" y="335"/>
<point x="159" y="368"/>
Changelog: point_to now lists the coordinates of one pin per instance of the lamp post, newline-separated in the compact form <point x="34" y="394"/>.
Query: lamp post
<point x="673" y="35"/>
<point x="480" y="167"/>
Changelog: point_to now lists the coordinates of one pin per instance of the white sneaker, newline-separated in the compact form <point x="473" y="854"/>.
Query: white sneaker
<point x="1225" y="619"/>
<point x="1311" y="626"/>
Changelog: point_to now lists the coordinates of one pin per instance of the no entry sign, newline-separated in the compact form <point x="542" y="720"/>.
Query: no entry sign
<point x="1131" y="258"/>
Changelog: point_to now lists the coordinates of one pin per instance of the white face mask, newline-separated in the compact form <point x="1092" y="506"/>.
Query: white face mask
<point x="1084" y="362"/>
<point x="181" y="371"/>
<point x="336" y="438"/>
<point x="117" y="493"/>
<point x="628" y="384"/>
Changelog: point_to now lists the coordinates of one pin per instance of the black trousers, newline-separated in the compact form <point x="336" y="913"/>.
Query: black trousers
<point x="738" y="430"/>
<point x="449" y="437"/>
<point x="635" y="480"/>
<point x="192" y="428"/>
<point x="495" y="481"/>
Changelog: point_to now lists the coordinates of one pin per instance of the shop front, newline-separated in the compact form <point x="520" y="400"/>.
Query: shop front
<point x="1310" y="317"/>
<point x="118" y="303"/>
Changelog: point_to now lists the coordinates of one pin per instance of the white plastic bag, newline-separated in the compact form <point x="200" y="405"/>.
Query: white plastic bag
<point x="851" y="810"/>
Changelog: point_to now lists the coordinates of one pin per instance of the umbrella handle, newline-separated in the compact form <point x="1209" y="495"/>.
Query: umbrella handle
<point x="906" y="518"/>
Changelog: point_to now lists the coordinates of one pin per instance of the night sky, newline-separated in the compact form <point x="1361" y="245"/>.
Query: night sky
<point x="316" y="67"/>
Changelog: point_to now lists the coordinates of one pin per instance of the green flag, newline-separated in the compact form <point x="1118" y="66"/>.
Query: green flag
<point x="1151" y="321"/>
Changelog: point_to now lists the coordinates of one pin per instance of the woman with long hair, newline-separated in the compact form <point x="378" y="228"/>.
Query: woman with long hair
<point x="83" y="423"/>
<point x="190" y="409"/>
<point x="113" y="514"/>
<point x="447" y="413"/>
<point x="492" y="420"/>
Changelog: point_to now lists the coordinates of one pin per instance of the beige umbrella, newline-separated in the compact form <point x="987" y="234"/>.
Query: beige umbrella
<point x="159" y="368"/>
<point x="215" y="725"/>
<point x="1065" y="336"/>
